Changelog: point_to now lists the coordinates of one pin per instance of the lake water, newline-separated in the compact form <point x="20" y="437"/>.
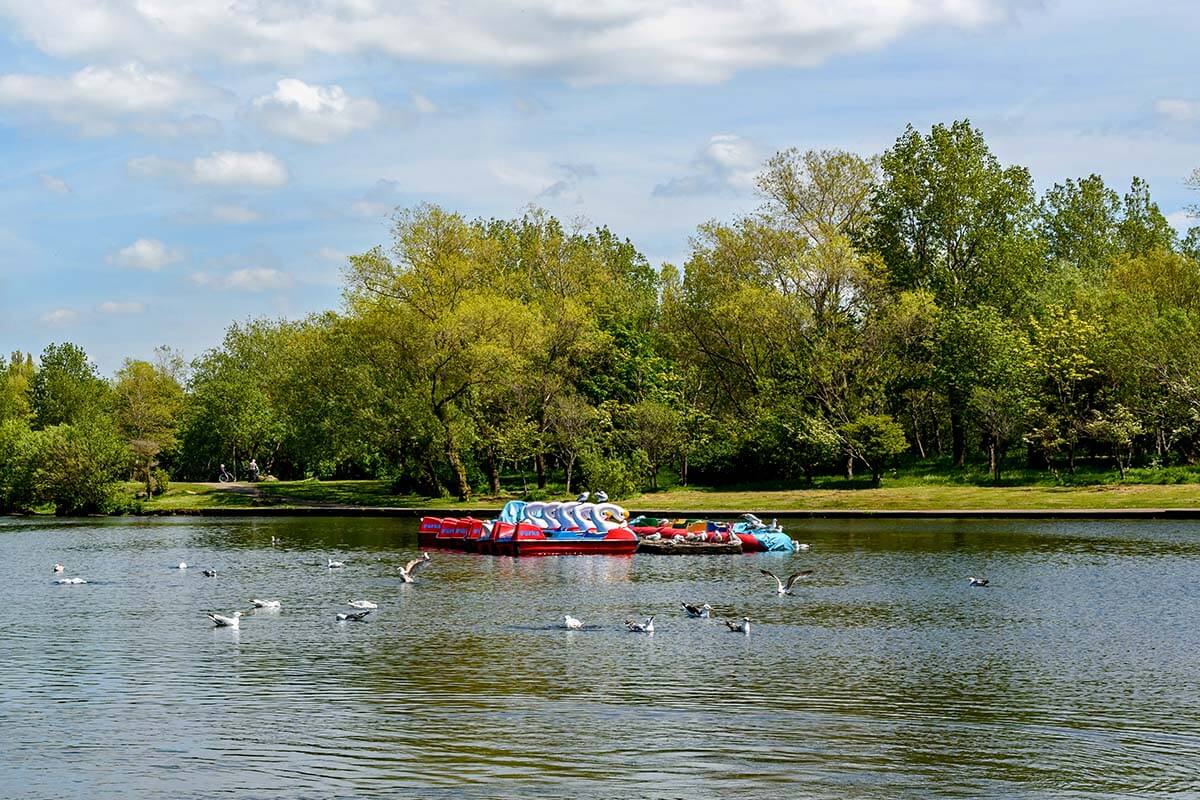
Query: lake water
<point x="1074" y="675"/>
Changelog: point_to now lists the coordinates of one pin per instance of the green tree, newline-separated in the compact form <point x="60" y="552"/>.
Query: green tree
<point x="16" y="386"/>
<point x="1144" y="229"/>
<point x="66" y="386"/>
<point x="1080" y="222"/>
<point x="147" y="408"/>
<point x="873" y="439"/>
<point x="78" y="466"/>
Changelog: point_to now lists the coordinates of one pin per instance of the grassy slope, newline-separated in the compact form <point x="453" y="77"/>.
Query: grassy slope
<point x="902" y="493"/>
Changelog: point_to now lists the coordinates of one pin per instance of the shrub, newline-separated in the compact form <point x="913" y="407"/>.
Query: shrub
<point x="161" y="481"/>
<point x="613" y="475"/>
<point x="78" y="467"/>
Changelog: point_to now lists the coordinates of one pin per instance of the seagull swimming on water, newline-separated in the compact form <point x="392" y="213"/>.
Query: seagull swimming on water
<point x="336" y="564"/>
<point x="58" y="568"/>
<point x="978" y="581"/>
<point x="641" y="627"/>
<point x="361" y="604"/>
<point x="739" y="627"/>
<point x="70" y="581"/>
<point x="697" y="611"/>
<point x="270" y="604"/>
<point x="357" y="616"/>
<point x="570" y="622"/>
<point x="410" y="569"/>
<point x="182" y="565"/>
<point x="786" y="588"/>
<point x="222" y="621"/>
<point x="209" y="573"/>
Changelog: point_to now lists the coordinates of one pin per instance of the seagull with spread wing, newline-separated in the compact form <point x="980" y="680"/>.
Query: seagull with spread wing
<point x="409" y="570"/>
<point x="785" y="587"/>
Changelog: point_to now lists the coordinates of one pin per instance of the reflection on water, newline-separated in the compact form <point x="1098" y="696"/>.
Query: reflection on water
<point x="1073" y="675"/>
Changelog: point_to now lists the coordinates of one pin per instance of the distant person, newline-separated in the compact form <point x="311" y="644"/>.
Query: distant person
<point x="253" y="467"/>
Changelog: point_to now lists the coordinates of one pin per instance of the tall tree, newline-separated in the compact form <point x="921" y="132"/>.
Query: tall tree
<point x="1079" y="222"/>
<point x="147" y="408"/>
<point x="66" y="386"/>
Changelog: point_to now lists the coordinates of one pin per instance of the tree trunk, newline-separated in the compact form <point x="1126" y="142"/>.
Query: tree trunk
<point x="683" y="461"/>
<point x="462" y="489"/>
<point x="850" y="468"/>
<point x="916" y="428"/>
<point x="539" y="464"/>
<point x="493" y="473"/>
<point x="569" y="468"/>
<point x="993" y="460"/>
<point x="958" y="443"/>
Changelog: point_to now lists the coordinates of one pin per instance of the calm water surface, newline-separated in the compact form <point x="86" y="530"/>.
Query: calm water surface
<point x="1074" y="675"/>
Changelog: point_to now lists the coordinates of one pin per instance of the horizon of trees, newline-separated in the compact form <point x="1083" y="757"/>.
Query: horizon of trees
<point x="924" y="303"/>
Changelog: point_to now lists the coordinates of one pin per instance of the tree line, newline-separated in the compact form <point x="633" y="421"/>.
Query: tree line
<point x="924" y="303"/>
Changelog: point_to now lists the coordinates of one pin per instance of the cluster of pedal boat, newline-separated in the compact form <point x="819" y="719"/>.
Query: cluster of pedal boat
<point x="580" y="527"/>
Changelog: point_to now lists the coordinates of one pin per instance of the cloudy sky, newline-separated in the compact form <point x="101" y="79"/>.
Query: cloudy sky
<point x="173" y="165"/>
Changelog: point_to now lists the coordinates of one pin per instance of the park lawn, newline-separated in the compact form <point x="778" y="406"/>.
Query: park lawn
<point x="182" y="497"/>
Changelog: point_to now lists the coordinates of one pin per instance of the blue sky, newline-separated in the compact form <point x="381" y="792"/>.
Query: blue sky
<point x="174" y="165"/>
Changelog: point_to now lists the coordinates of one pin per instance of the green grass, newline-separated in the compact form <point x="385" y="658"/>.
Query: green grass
<point x="915" y="490"/>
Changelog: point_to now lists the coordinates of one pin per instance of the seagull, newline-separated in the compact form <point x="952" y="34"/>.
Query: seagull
<point x="58" y="568"/>
<point x="786" y="588"/>
<point x="798" y="546"/>
<point x="274" y="604"/>
<point x="570" y="622"/>
<point x="739" y="627"/>
<point x="70" y="581"/>
<point x="753" y="520"/>
<point x="222" y="621"/>
<point x="641" y="627"/>
<point x="182" y="565"/>
<point x="583" y="497"/>
<point x="653" y="537"/>
<point x="274" y="541"/>
<point x="697" y="611"/>
<point x="209" y="573"/>
<point x="410" y="569"/>
<point x="361" y="604"/>
<point x="601" y="496"/>
<point x="336" y="564"/>
<point x="978" y="581"/>
<point x="356" y="616"/>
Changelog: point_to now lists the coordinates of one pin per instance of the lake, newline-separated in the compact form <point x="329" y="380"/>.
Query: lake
<point x="1075" y="674"/>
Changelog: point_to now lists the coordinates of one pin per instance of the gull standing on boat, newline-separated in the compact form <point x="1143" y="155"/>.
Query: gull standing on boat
<point x="701" y="612"/>
<point x="336" y="564"/>
<point x="362" y="604"/>
<point x="570" y="622"/>
<point x="409" y="570"/>
<point x="267" y="604"/>
<point x="222" y="621"/>
<point x="739" y="627"/>
<point x="356" y="616"/>
<point x="583" y="497"/>
<point x="981" y="581"/>
<point x="601" y="496"/>
<point x="786" y="588"/>
<point x="641" y="627"/>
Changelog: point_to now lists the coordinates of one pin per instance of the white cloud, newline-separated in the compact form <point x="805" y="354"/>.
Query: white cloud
<point x="222" y="168"/>
<point x="378" y="201"/>
<point x="726" y="163"/>
<point x="148" y="254"/>
<point x="1178" y="110"/>
<point x="118" y="307"/>
<point x="602" y="41"/>
<point x="59" y="316"/>
<point x="423" y="104"/>
<point x="332" y="255"/>
<point x="54" y="184"/>
<point x="313" y="114"/>
<point x="1182" y="220"/>
<point x="251" y="279"/>
<point x="102" y="101"/>
<point x="231" y="168"/>
<point x="235" y="215"/>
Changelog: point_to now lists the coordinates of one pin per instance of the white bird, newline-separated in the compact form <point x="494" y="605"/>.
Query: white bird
<point x="222" y="621"/>
<point x="978" y="581"/>
<point x="753" y="520"/>
<point x="182" y="565"/>
<point x="653" y="537"/>
<point x="697" y="611"/>
<point x="786" y="588"/>
<point x="209" y="573"/>
<point x="357" y="616"/>
<point x="70" y="581"/>
<point x="739" y="627"/>
<point x="410" y="569"/>
<point x="361" y="604"/>
<point x="798" y="546"/>
<point x="641" y="627"/>
<point x="58" y="568"/>
<point x="583" y="497"/>
<point x="601" y="496"/>
<point x="336" y="564"/>
<point x="571" y="623"/>
<point x="274" y="604"/>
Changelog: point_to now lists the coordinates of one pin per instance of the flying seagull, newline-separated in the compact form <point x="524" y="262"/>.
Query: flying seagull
<point x="739" y="627"/>
<point x="275" y="604"/>
<point x="222" y="621"/>
<point x="409" y="570"/>
<point x="336" y="564"/>
<point x="356" y="616"/>
<point x="641" y="627"/>
<point x="978" y="581"/>
<point x="362" y="604"/>
<point x="786" y="588"/>
<point x="571" y="623"/>
<point x="697" y="611"/>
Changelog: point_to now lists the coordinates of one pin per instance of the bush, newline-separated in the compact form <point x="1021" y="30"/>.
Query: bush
<point x="18" y="455"/>
<point x="160" y="480"/>
<point x="78" y="467"/>
<point x="610" y="474"/>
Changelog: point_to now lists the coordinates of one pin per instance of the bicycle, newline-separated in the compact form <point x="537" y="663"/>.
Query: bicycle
<point x="225" y="476"/>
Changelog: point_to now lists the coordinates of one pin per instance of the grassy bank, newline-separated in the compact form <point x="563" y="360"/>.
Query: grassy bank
<point x="908" y="493"/>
